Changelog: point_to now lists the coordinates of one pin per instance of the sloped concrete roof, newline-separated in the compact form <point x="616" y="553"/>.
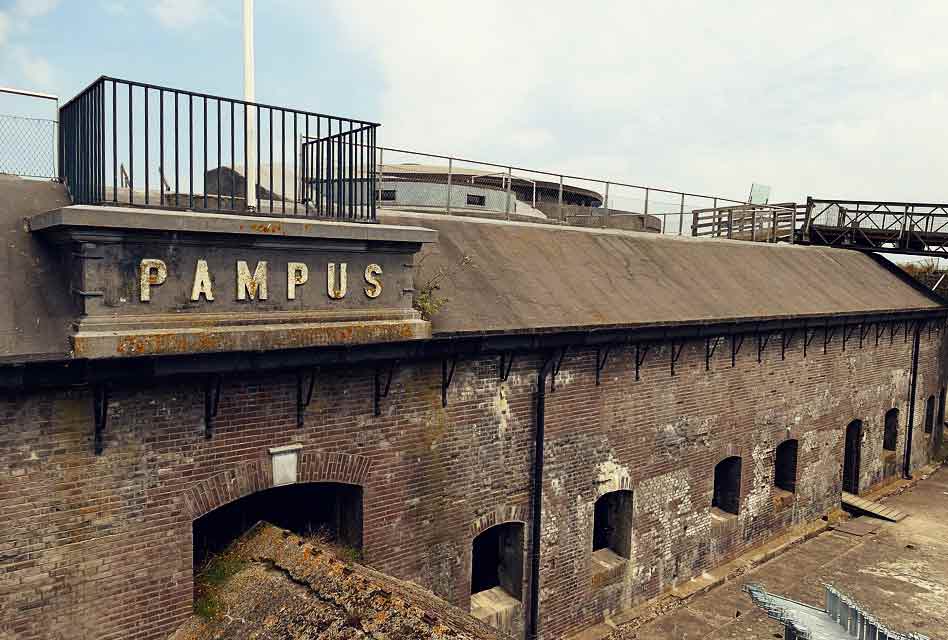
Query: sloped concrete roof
<point x="294" y="589"/>
<point x="525" y="277"/>
<point x="530" y="277"/>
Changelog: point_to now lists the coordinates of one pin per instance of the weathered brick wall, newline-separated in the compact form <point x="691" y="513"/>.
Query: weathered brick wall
<point x="100" y="547"/>
<point x="663" y="435"/>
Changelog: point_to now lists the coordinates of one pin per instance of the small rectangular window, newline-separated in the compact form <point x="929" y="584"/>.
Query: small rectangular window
<point x="478" y="201"/>
<point x="387" y="195"/>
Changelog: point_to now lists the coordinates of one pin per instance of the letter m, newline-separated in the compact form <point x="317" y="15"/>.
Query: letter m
<point x="254" y="286"/>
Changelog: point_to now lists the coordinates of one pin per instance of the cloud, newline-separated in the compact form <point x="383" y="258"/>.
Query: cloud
<point x="181" y="14"/>
<point x="678" y="94"/>
<point x="35" y="69"/>
<point x="34" y="8"/>
<point x="115" y="7"/>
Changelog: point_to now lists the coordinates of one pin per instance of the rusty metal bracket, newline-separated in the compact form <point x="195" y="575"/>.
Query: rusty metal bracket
<point x="736" y="345"/>
<point x="506" y="361"/>
<point x="848" y="333"/>
<point x="641" y="353"/>
<point x="379" y="394"/>
<point x="786" y="338"/>
<point x="880" y="329"/>
<point x="100" y="414"/>
<point x="828" y="333"/>
<point x="212" y="400"/>
<point x="710" y="346"/>
<point x="762" y="341"/>
<point x="864" y="330"/>
<point x="602" y="355"/>
<point x="302" y="403"/>
<point x="675" y="354"/>
<point x="447" y="375"/>
<point x="556" y="369"/>
<point x="808" y="339"/>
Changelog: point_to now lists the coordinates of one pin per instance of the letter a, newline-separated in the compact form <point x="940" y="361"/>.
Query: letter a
<point x="202" y="282"/>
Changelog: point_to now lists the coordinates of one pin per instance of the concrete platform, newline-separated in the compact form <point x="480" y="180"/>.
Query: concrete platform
<point x="900" y="573"/>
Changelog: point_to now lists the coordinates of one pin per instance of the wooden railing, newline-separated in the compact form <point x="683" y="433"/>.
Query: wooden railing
<point x="757" y="223"/>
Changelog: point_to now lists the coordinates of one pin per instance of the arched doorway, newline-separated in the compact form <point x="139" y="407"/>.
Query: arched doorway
<point x="727" y="486"/>
<point x="327" y="509"/>
<point x="851" y="456"/>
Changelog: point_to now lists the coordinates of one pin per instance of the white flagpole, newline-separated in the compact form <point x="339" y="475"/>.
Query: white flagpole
<point x="250" y="171"/>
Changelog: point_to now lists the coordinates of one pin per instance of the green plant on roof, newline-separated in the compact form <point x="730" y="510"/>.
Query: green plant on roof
<point x="428" y="300"/>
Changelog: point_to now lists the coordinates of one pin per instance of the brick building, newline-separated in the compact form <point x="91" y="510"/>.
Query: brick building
<point x="696" y="399"/>
<point x="580" y="420"/>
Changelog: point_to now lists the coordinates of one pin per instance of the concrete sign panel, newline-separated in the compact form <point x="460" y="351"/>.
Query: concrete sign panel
<point x="152" y="282"/>
<point x="285" y="463"/>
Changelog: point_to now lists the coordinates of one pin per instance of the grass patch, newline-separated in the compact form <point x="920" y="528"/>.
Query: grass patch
<point x="220" y="568"/>
<point x="208" y="581"/>
<point x="207" y="607"/>
<point x="323" y="537"/>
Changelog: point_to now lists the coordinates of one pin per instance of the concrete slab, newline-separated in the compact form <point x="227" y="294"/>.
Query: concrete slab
<point x="139" y="219"/>
<point x="684" y="625"/>
<point x="899" y="573"/>
<point x="859" y="526"/>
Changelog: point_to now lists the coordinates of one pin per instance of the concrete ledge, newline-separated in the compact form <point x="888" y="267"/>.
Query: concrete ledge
<point x="112" y="344"/>
<point x="136" y="219"/>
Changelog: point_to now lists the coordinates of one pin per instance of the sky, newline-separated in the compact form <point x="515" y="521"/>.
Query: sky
<point x="833" y="100"/>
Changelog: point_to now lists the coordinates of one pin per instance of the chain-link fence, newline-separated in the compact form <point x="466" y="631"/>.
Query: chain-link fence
<point x="28" y="146"/>
<point x="444" y="184"/>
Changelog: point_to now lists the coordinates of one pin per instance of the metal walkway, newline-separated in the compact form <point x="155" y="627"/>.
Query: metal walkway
<point x="911" y="228"/>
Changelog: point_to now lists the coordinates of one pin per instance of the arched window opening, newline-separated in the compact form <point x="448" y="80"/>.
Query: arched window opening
<point x="331" y="511"/>
<point x="929" y="414"/>
<point x="612" y="523"/>
<point x="727" y="485"/>
<point x="891" y="433"/>
<point x="785" y="466"/>
<point x="497" y="562"/>
<point x="851" y="457"/>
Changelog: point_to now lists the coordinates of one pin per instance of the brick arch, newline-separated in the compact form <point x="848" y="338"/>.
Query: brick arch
<point x="257" y="475"/>
<point x="727" y="451"/>
<point x="619" y="480"/>
<point x="499" y="515"/>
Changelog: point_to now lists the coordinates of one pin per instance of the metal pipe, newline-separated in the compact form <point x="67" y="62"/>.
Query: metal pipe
<point x="560" y="199"/>
<point x="509" y="181"/>
<point x="250" y="173"/>
<point x="450" y="169"/>
<point x="907" y="464"/>
<point x="537" y="498"/>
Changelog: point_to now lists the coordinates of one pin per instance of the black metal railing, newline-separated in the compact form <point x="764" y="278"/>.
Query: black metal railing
<point x="131" y="143"/>
<point x="914" y="228"/>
